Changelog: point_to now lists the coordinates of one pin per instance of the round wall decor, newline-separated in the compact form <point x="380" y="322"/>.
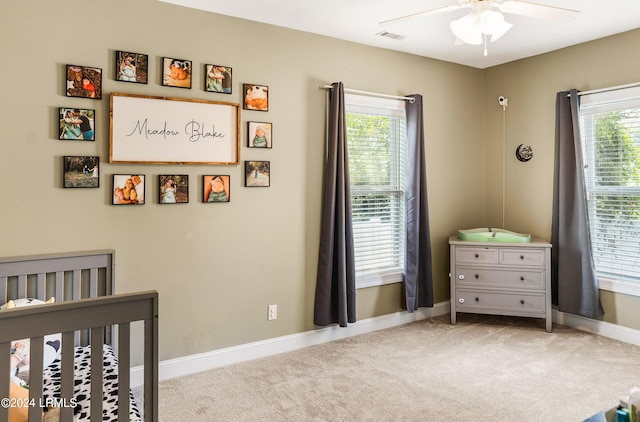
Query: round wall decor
<point x="524" y="153"/>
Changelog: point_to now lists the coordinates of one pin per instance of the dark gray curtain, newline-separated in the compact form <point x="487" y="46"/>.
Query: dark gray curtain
<point x="335" y="301"/>
<point x="418" y="277"/>
<point x="573" y="278"/>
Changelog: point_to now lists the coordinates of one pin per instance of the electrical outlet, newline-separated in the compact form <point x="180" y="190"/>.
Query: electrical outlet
<point x="272" y="312"/>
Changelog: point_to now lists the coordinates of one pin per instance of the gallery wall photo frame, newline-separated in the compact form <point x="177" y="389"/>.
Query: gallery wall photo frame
<point x="257" y="173"/>
<point x="176" y="72"/>
<point x="128" y="189"/>
<point x="76" y="124"/>
<point x="132" y="67"/>
<point x="81" y="171"/>
<point x="83" y="81"/>
<point x="166" y="130"/>
<point x="218" y="78"/>
<point x="173" y="188"/>
<point x="216" y="188"/>
<point x="256" y="97"/>
<point x="259" y="134"/>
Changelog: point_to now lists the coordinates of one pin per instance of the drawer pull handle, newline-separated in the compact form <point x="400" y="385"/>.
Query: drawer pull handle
<point x="477" y="276"/>
<point x="477" y="255"/>
<point x="521" y="278"/>
<point x="461" y="276"/>
<point x="521" y="302"/>
<point x="461" y="300"/>
<point x="521" y="256"/>
<point x="477" y="299"/>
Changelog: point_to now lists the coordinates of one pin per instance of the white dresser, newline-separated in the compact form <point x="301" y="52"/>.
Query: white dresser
<point x="501" y="278"/>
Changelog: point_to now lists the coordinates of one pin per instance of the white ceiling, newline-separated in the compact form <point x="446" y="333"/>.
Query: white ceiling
<point x="430" y="36"/>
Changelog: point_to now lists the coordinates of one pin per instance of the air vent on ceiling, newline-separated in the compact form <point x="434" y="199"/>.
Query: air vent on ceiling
<point x="391" y="35"/>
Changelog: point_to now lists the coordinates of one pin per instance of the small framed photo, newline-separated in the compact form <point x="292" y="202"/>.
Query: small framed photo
<point x="84" y="82"/>
<point x="259" y="134"/>
<point x="217" y="78"/>
<point x="216" y="188"/>
<point x="128" y="189"/>
<point x="176" y="72"/>
<point x="76" y="124"/>
<point x="132" y="67"/>
<point x="257" y="173"/>
<point x="81" y="172"/>
<point x="173" y="189"/>
<point x="256" y="97"/>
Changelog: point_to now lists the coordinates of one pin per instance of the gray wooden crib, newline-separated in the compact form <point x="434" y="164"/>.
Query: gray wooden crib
<point x="85" y="312"/>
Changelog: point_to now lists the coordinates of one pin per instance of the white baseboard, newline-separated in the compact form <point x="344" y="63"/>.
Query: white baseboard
<point x="602" y="328"/>
<point x="187" y="365"/>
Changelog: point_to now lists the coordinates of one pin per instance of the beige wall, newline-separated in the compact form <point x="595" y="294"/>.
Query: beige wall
<point x="216" y="267"/>
<point x="531" y="85"/>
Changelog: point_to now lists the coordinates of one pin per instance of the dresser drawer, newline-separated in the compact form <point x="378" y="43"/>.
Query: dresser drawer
<point x="477" y="255"/>
<point x="522" y="257"/>
<point x="489" y="301"/>
<point x="510" y="278"/>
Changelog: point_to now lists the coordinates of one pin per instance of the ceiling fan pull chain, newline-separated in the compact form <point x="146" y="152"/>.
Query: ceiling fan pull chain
<point x="485" y="45"/>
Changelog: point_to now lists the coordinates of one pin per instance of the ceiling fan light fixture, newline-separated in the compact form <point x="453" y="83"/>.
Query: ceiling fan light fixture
<point x="471" y="28"/>
<point x="467" y="29"/>
<point x="501" y="31"/>
<point x="493" y="23"/>
<point x="489" y="19"/>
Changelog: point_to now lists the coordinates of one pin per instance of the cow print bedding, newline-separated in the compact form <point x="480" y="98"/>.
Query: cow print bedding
<point x="82" y="385"/>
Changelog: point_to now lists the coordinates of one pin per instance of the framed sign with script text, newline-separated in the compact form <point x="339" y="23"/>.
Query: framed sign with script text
<point x="163" y="130"/>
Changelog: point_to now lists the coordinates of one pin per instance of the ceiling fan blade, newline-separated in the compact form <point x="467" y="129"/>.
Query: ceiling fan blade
<point x="538" y="11"/>
<point x="424" y="13"/>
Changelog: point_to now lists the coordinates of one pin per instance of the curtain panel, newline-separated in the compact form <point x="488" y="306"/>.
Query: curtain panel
<point x="418" y="278"/>
<point x="335" y="299"/>
<point x="573" y="279"/>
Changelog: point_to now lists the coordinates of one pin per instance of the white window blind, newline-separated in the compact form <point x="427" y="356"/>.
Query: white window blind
<point x="610" y="126"/>
<point x="375" y="141"/>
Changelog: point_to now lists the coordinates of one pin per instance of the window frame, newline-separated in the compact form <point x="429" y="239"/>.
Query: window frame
<point x="615" y="99"/>
<point x="369" y="105"/>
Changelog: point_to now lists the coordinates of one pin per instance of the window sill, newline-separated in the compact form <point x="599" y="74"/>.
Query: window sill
<point x="631" y="288"/>
<point x="378" y="279"/>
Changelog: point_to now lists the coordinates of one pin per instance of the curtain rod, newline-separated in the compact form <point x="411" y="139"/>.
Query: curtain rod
<point x="373" y="94"/>
<point x="612" y="88"/>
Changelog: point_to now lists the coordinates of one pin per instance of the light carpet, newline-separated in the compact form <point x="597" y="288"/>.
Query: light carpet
<point x="485" y="368"/>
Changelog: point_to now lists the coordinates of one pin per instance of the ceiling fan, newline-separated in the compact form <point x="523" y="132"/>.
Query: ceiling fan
<point x="483" y="20"/>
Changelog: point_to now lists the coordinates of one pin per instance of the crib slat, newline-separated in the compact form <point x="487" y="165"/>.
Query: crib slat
<point x="22" y="286"/>
<point x="110" y="286"/>
<point x="124" y="372"/>
<point x="97" y="335"/>
<point x="110" y="283"/>
<point x="151" y="367"/>
<point x="41" y="286"/>
<point x="59" y="286"/>
<point x="5" y="352"/>
<point x="76" y="293"/>
<point x="75" y="284"/>
<point x="3" y="289"/>
<point x="66" y="375"/>
<point x="93" y="282"/>
<point x="35" y="377"/>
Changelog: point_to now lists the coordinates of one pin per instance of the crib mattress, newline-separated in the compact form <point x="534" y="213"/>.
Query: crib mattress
<point x="82" y="385"/>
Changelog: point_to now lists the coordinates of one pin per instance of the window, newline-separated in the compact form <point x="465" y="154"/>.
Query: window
<point x="376" y="145"/>
<point x="610" y="126"/>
